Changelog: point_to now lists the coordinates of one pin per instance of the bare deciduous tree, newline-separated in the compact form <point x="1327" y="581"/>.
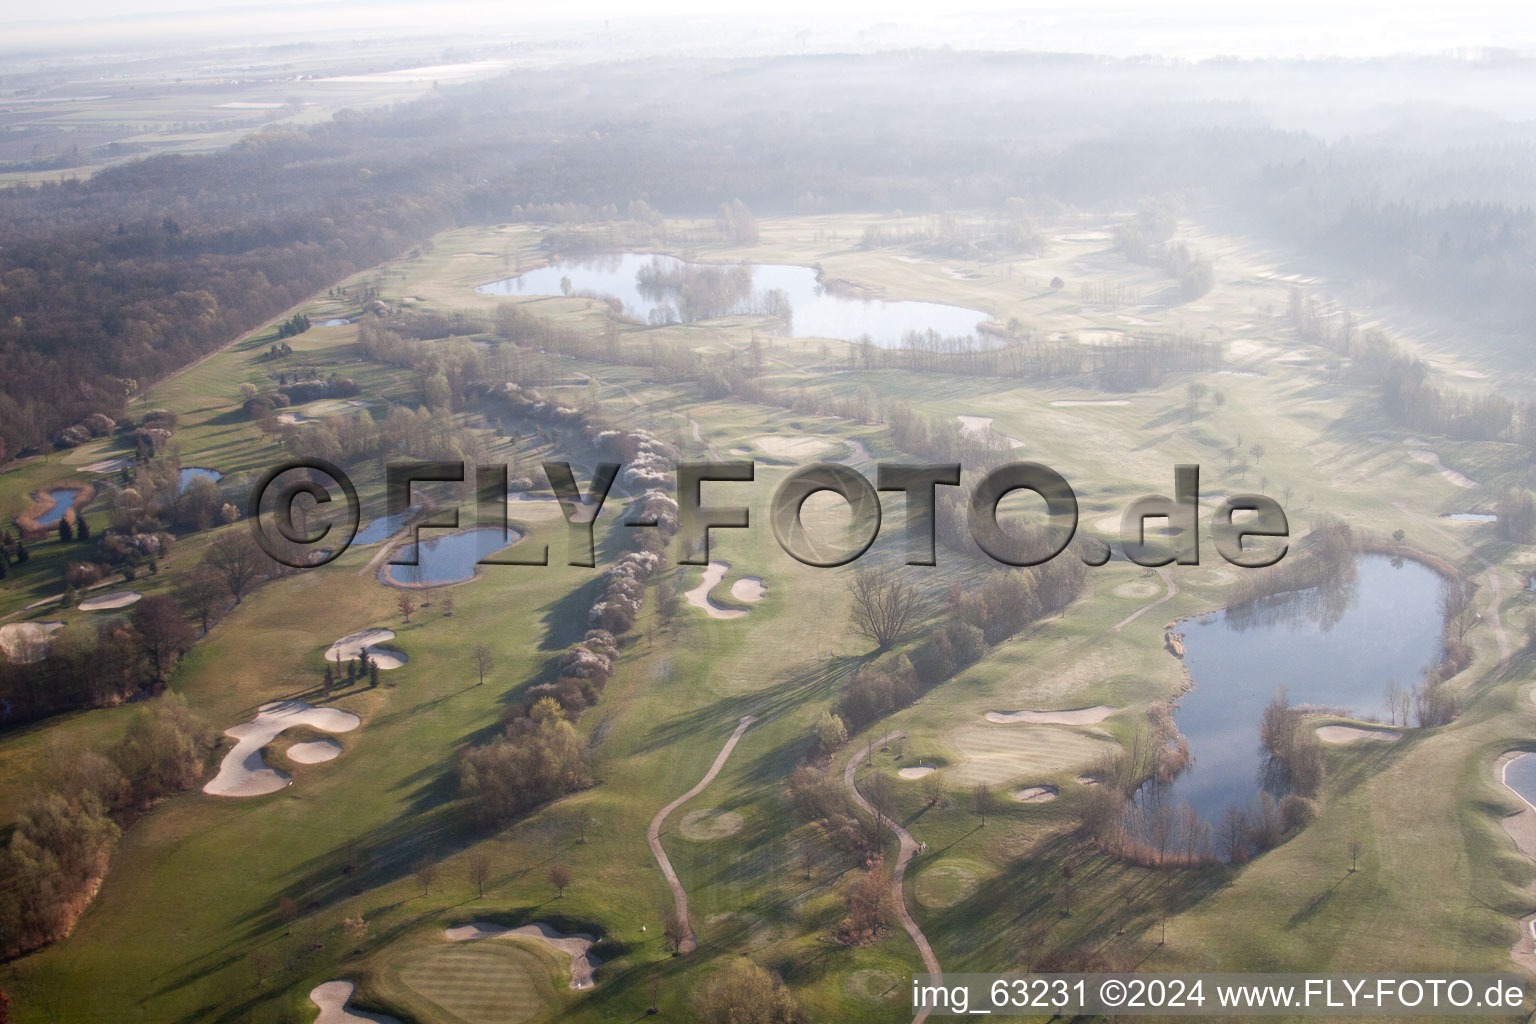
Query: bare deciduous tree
<point x="560" y="877"/>
<point x="425" y="873"/>
<point x="983" y="799"/>
<point x="884" y="607"/>
<point x="237" y="561"/>
<point x="406" y="602"/>
<point x="479" y="871"/>
<point x="483" y="660"/>
<point x="1356" y="847"/>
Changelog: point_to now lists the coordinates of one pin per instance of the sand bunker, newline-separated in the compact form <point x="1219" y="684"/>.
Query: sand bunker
<point x="699" y="595"/>
<point x="353" y="644"/>
<point x="917" y="771"/>
<point x="105" y="466"/>
<point x="1036" y="794"/>
<point x="1139" y="589"/>
<point x="1432" y="460"/>
<point x="574" y="946"/>
<point x="1087" y="780"/>
<point x="332" y="998"/>
<point x="794" y="448"/>
<point x="314" y="752"/>
<point x="293" y="419"/>
<point x="710" y="823"/>
<point x="116" y="599"/>
<point x="1356" y="733"/>
<point x="26" y="642"/>
<point x="749" y="588"/>
<point x="1071" y="716"/>
<point x="1066" y="403"/>
<point x="243" y="772"/>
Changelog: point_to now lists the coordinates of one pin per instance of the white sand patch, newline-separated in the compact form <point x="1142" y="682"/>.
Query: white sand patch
<point x="314" y="752"/>
<point x="1432" y="460"/>
<point x="1356" y="733"/>
<point x="575" y="946"/>
<point x="917" y="771"/>
<point x="243" y="772"/>
<point x="353" y="644"/>
<point x="741" y="451"/>
<point x="1087" y="780"/>
<point x="699" y="595"/>
<point x="1067" y="403"/>
<point x="1472" y="374"/>
<point x="26" y="642"/>
<point x="1070" y="716"/>
<point x="293" y="419"/>
<point x="105" y="602"/>
<point x="105" y="466"/>
<point x="1036" y="794"/>
<point x="332" y="998"/>
<point x="749" y="588"/>
<point x="779" y="447"/>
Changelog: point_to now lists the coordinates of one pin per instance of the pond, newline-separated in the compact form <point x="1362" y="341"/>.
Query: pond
<point x="446" y="557"/>
<point x="1336" y="647"/>
<point x="664" y="289"/>
<point x="63" y="499"/>
<point x="1520" y="776"/>
<point x="382" y="528"/>
<point x="190" y="473"/>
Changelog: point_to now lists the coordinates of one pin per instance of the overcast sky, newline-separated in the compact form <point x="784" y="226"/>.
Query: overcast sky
<point x="1175" y="28"/>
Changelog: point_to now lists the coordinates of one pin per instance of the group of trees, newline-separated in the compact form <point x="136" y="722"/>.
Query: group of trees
<point x="92" y="666"/>
<point x="60" y="847"/>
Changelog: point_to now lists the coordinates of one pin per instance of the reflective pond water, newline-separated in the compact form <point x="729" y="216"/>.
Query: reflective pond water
<point x="664" y="289"/>
<point x="446" y="557"/>
<point x="1336" y="647"/>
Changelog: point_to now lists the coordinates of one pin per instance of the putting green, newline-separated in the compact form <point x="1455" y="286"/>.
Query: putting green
<point x="482" y="983"/>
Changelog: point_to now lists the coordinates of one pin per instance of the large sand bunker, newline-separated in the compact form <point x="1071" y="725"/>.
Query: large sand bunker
<point x="1035" y="794"/>
<point x="314" y="752"/>
<point x="26" y="642"/>
<point x="749" y="588"/>
<point x="354" y="644"/>
<point x="575" y="946"/>
<point x="106" y="602"/>
<point x="699" y="595"/>
<point x="243" y="772"/>
<point x="1068" y="403"/>
<point x="1432" y="460"/>
<point x="1356" y="733"/>
<point x="1070" y="716"/>
<point x="917" y="771"/>
<point x="332" y="998"/>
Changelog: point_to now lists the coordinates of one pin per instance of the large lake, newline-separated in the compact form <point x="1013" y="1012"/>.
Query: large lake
<point x="1337" y="649"/>
<point x="664" y="289"/>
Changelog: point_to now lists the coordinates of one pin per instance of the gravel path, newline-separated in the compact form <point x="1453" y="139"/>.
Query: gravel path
<point x="899" y="875"/>
<point x="653" y="834"/>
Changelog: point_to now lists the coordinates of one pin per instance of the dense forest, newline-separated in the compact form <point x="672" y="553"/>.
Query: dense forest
<point x="109" y="284"/>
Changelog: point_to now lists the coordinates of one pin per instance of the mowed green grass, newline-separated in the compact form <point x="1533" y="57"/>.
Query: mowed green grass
<point x="193" y="893"/>
<point x="491" y="981"/>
